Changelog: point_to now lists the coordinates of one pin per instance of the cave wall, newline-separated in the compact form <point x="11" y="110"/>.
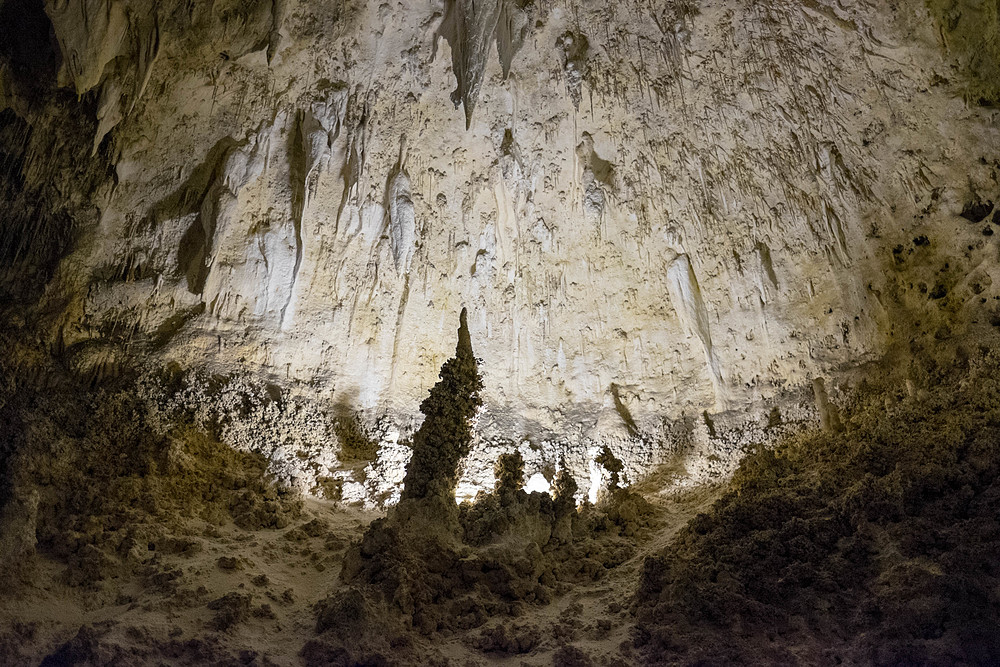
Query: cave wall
<point x="650" y="212"/>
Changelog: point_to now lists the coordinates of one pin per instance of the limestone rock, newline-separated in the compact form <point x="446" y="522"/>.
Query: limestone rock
<point x="708" y="203"/>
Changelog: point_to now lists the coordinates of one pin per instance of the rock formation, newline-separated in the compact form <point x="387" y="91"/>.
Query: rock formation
<point x="699" y="206"/>
<point x="729" y="267"/>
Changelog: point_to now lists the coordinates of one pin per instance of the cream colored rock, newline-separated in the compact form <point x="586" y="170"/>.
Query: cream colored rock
<point x="697" y="202"/>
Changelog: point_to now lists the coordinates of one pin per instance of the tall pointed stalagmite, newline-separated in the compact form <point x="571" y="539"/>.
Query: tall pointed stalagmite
<point x="446" y="434"/>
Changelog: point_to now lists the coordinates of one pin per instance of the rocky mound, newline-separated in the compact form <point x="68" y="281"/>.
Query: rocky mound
<point x="874" y="542"/>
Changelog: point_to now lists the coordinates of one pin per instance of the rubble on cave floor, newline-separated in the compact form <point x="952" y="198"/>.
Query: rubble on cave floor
<point x="206" y="593"/>
<point x="221" y="594"/>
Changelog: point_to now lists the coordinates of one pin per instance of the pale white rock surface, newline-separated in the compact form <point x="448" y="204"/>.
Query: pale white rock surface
<point x="652" y="211"/>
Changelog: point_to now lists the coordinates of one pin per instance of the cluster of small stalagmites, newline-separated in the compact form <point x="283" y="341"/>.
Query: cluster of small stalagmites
<point x="429" y="569"/>
<point x="432" y="567"/>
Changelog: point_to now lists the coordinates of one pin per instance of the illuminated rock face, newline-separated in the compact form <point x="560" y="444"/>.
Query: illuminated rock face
<point x="649" y="210"/>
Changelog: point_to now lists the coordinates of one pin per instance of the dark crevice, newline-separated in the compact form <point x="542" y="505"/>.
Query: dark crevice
<point x="29" y="46"/>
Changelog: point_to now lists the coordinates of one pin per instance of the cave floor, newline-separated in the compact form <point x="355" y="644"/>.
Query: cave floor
<point x="221" y="594"/>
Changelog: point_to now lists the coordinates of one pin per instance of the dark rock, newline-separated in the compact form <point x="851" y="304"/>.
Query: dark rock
<point x="231" y="609"/>
<point x="976" y="211"/>
<point x="229" y="563"/>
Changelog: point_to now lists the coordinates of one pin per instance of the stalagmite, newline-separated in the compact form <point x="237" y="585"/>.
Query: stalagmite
<point x="715" y="257"/>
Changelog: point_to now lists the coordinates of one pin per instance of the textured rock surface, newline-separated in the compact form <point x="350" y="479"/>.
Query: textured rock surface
<point x="652" y="213"/>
